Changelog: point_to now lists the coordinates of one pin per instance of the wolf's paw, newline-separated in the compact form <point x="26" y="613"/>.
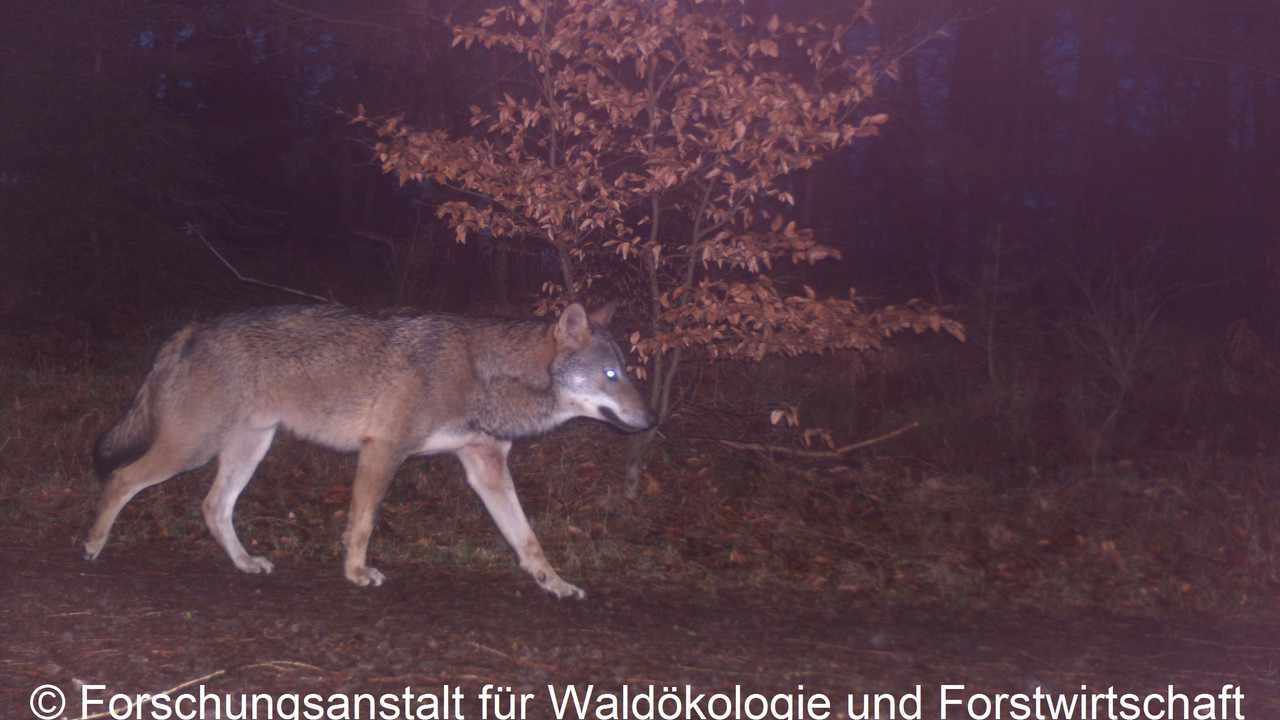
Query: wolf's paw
<point x="91" y="552"/>
<point x="560" y="588"/>
<point x="255" y="565"/>
<point x="365" y="576"/>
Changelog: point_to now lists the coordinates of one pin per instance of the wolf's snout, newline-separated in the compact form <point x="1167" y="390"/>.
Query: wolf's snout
<point x="643" y="419"/>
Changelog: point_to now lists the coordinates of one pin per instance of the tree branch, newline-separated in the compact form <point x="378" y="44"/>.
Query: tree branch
<point x="192" y="229"/>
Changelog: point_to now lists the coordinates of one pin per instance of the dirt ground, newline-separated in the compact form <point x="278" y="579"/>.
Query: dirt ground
<point x="144" y="621"/>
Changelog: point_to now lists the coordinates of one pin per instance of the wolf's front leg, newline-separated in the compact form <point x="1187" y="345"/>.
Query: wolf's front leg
<point x="487" y="473"/>
<point x="376" y="467"/>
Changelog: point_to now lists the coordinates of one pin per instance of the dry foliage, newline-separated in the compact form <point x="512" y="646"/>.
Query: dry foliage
<point x="652" y="153"/>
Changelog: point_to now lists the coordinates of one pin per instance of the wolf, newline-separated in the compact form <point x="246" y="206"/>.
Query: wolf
<point x="387" y="386"/>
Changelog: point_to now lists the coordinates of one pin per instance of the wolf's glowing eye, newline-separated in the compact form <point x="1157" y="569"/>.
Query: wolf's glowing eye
<point x="611" y="374"/>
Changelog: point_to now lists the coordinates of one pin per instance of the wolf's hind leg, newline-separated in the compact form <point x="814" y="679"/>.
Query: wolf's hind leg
<point x="240" y="456"/>
<point x="488" y="475"/>
<point x="162" y="461"/>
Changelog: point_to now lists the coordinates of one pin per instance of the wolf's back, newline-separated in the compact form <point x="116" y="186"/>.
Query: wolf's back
<point x="131" y="436"/>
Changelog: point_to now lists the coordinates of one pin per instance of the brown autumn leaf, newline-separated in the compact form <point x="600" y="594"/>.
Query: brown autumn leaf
<point x="647" y="148"/>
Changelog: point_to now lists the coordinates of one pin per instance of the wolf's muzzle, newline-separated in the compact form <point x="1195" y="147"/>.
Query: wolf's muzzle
<point x="647" y="421"/>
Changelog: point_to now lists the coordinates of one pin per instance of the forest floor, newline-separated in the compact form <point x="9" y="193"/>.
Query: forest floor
<point x="486" y="645"/>
<point x="738" y="586"/>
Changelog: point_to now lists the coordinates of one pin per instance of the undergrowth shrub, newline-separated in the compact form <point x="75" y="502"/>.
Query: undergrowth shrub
<point x="988" y="500"/>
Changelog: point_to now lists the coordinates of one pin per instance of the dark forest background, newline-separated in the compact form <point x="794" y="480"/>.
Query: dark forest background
<point x="1051" y="136"/>
<point x="1092" y="186"/>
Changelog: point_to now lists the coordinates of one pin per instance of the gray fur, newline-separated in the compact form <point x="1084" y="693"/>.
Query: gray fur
<point x="386" y="386"/>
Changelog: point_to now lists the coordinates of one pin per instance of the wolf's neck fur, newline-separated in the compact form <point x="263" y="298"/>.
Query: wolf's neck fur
<point x="516" y="396"/>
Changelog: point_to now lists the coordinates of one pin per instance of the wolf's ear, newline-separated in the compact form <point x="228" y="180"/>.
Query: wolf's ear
<point x="573" y="330"/>
<point x="604" y="315"/>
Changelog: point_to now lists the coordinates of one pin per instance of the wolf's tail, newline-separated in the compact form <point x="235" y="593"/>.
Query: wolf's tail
<point x="131" y="436"/>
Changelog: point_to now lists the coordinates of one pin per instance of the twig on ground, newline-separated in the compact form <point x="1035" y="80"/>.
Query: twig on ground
<point x="166" y="693"/>
<point x="833" y="454"/>
<point x="512" y="658"/>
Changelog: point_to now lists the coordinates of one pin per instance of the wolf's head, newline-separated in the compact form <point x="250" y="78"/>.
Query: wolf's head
<point x="590" y="372"/>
